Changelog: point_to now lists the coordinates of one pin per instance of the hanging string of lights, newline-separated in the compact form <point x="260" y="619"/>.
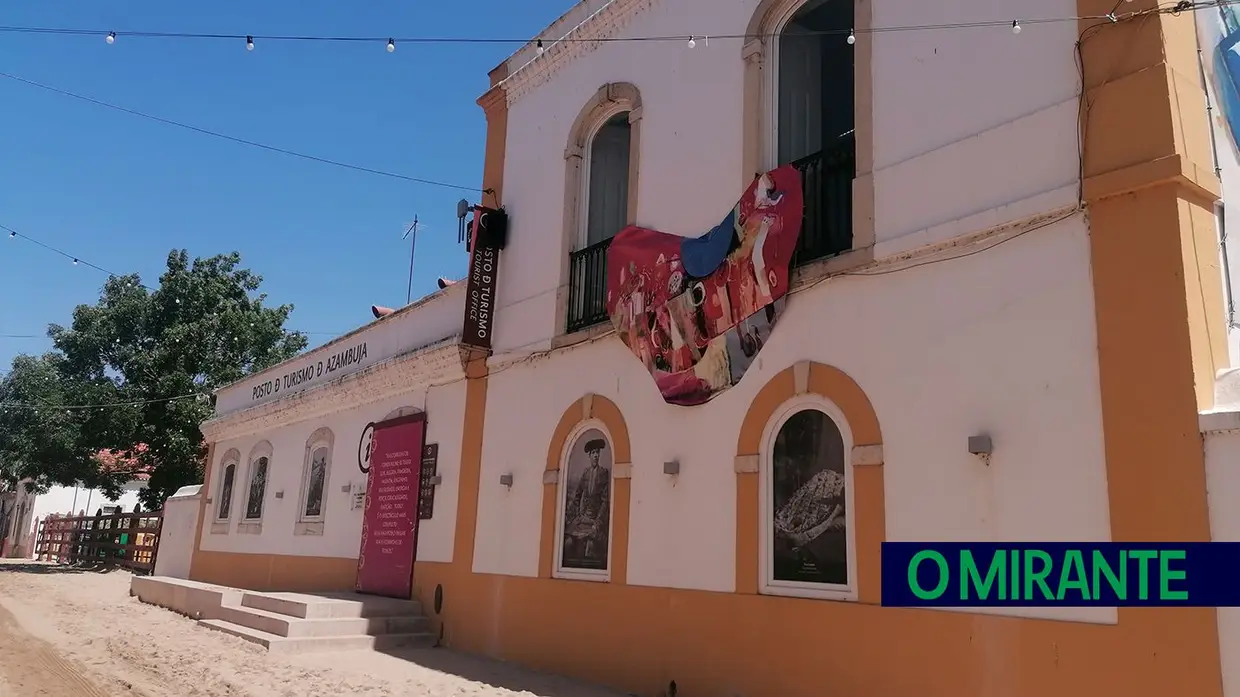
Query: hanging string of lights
<point x="78" y="408"/>
<point x="78" y="261"/>
<point x="391" y="42"/>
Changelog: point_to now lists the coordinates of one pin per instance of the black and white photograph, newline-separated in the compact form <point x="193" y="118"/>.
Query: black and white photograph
<point x="587" y="504"/>
<point x="315" y="484"/>
<point x="258" y="487"/>
<point x="810" y="528"/>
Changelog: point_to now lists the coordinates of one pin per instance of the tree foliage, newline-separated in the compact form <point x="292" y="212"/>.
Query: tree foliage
<point x="153" y="358"/>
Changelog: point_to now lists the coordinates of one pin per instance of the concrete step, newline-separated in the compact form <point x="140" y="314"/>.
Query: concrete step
<point x="279" y="644"/>
<point x="337" y="606"/>
<point x="287" y="626"/>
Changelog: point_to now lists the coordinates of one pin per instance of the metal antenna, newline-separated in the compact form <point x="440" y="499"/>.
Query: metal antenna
<point x="412" y="235"/>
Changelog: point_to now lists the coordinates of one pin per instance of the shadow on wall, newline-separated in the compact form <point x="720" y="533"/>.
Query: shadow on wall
<point x="499" y="674"/>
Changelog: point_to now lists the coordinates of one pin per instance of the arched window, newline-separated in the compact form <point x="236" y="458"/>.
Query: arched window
<point x="806" y="502"/>
<point x="315" y="475"/>
<point x="811" y="117"/>
<point x="223" y="506"/>
<point x="601" y="194"/>
<point x="256" y="483"/>
<point x="607" y="176"/>
<point x="583" y="545"/>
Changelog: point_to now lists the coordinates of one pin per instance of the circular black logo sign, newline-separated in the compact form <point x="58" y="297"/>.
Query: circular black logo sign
<point x="364" y="446"/>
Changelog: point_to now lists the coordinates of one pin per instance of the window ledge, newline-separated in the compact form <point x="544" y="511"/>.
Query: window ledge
<point x="815" y="271"/>
<point x="309" y="528"/>
<point x="219" y="527"/>
<point x="586" y="577"/>
<point x="581" y="336"/>
<point x="826" y="595"/>
<point x="250" y="528"/>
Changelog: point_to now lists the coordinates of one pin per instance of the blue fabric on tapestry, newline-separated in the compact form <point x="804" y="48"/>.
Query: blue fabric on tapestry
<point x="702" y="255"/>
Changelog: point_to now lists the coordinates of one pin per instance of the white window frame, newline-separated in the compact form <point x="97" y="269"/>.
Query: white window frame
<point x="587" y="166"/>
<point x="557" y="571"/>
<point x="769" y="586"/>
<point x="231" y="459"/>
<point x="260" y="450"/>
<point x="323" y="438"/>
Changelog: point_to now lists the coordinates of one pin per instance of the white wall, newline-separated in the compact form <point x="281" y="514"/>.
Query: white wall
<point x="434" y="318"/>
<point x="968" y="122"/>
<point x="444" y="406"/>
<point x="1210" y="31"/>
<point x="176" y="532"/>
<point x="1002" y="342"/>
<point x="1222" y="447"/>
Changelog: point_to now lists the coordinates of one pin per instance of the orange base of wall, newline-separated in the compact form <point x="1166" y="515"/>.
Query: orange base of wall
<point x="638" y="638"/>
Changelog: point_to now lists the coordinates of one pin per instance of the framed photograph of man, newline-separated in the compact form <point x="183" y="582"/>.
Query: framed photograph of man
<point x="585" y="506"/>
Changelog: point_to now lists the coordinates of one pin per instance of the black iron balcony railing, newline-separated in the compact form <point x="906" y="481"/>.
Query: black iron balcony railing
<point x="826" y="230"/>
<point x="587" y="286"/>
<point x="827" y="177"/>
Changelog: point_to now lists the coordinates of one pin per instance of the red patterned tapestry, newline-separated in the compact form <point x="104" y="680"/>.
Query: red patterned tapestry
<point x="696" y="311"/>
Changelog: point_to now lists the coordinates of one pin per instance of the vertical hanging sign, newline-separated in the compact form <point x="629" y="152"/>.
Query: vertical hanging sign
<point x="488" y="237"/>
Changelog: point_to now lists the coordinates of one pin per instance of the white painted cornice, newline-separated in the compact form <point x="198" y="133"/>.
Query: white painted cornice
<point x="434" y="365"/>
<point x="528" y="70"/>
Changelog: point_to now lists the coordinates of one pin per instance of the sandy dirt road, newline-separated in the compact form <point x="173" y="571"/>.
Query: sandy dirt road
<point x="70" y="633"/>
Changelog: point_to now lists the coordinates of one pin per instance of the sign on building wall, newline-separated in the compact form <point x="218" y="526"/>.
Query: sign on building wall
<point x="489" y="236"/>
<point x="390" y="521"/>
<point x="430" y="469"/>
<point x="696" y="311"/>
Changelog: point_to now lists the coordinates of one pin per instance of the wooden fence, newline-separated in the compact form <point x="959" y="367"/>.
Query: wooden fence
<point x="127" y="540"/>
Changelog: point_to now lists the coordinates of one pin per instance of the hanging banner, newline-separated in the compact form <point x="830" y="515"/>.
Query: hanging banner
<point x="390" y="521"/>
<point x="696" y="311"/>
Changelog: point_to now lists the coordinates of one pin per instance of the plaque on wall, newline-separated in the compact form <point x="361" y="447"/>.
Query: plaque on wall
<point x="426" y="491"/>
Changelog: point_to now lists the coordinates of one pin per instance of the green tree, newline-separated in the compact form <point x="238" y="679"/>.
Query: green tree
<point x="154" y="358"/>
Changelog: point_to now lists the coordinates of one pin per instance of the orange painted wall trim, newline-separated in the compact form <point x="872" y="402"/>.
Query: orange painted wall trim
<point x="600" y="408"/>
<point x="868" y="498"/>
<point x="1149" y="190"/>
<point x="204" y="505"/>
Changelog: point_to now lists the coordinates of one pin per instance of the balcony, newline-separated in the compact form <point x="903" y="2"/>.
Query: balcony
<point x="587" y="286"/>
<point x="826" y="231"/>
<point x="826" y="178"/>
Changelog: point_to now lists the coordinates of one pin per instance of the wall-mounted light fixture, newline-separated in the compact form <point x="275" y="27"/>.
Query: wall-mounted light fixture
<point x="436" y="480"/>
<point x="982" y="447"/>
<point x="505" y="480"/>
<point x="671" y="468"/>
<point x="279" y="494"/>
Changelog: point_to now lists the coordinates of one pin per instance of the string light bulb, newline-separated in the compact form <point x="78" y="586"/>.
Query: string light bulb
<point x="110" y="38"/>
<point x="12" y="235"/>
<point x="692" y="42"/>
<point x="1016" y="26"/>
<point x="852" y="36"/>
<point x="75" y="262"/>
<point x="391" y="45"/>
<point x="538" y="47"/>
<point x="249" y="43"/>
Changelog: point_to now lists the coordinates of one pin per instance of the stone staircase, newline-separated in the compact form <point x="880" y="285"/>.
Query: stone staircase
<point x="297" y="622"/>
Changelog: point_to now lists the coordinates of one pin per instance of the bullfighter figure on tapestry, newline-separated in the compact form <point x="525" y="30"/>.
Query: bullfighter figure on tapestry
<point x="695" y="311"/>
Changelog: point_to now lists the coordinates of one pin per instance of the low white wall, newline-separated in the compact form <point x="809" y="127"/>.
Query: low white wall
<point x="176" y="536"/>
<point x="1221" y="433"/>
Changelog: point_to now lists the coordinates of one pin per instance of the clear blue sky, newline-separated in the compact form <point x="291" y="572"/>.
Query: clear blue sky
<point x="120" y="191"/>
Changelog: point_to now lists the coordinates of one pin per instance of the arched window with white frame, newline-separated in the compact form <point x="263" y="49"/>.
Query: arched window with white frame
<point x="601" y="160"/>
<point x="812" y="122"/>
<point x="315" y="475"/>
<point x="806" y="511"/>
<point x="584" y="509"/>
<point x="256" y="482"/>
